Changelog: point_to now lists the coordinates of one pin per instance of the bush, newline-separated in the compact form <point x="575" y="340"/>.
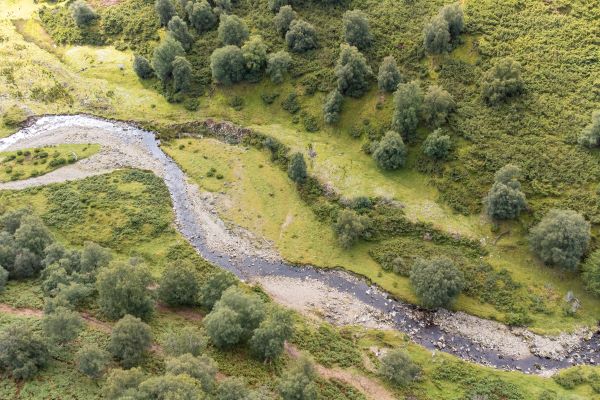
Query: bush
<point x="277" y="5"/>
<point x="437" y="105"/>
<point x="255" y="58"/>
<point x="505" y="199"/>
<point x="82" y="13"/>
<point x="388" y="77"/>
<point x="356" y="29"/>
<point x="333" y="107"/>
<point x="436" y="282"/>
<point x="408" y="102"/>
<point x="214" y="287"/>
<point x="350" y="227"/>
<point x="179" y="285"/>
<point x="227" y="65"/>
<point x="591" y="273"/>
<point x="3" y="279"/>
<point x="268" y="340"/>
<point x="92" y="361"/>
<point x="277" y="65"/>
<point x="301" y="36"/>
<point x="122" y="384"/>
<point x="169" y="387"/>
<point x="14" y="116"/>
<point x="164" y="55"/>
<point x="352" y="72"/>
<point x="297" y="168"/>
<point x="186" y="340"/>
<point x="502" y="82"/>
<point x="436" y="36"/>
<point x="22" y="355"/>
<point x="179" y="30"/>
<point x="93" y="257"/>
<point x="201" y="16"/>
<point x="453" y="15"/>
<point x="299" y="382"/>
<point x="437" y="145"/>
<point x="129" y="341"/>
<point x="570" y="378"/>
<point x="165" y="10"/>
<point x="284" y="19"/>
<point x="561" y="238"/>
<point x="182" y="74"/>
<point x="232" y="389"/>
<point x="203" y="369"/>
<point x="398" y="368"/>
<point x="62" y="325"/>
<point x="232" y="30"/>
<point x="390" y="152"/>
<point x="590" y="135"/>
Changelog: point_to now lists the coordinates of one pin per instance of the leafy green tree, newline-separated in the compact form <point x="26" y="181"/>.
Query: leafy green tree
<point x="203" y="369"/>
<point x="436" y="36"/>
<point x="333" y="107"/>
<point x="277" y="65"/>
<point x="301" y="36"/>
<point x="276" y="5"/>
<point x="502" y="82"/>
<point x="437" y="105"/>
<point x="62" y="325"/>
<point x="123" y="289"/>
<point x="130" y="340"/>
<point x="297" y="168"/>
<point x="223" y="6"/>
<point x="590" y="135"/>
<point x="255" y="58"/>
<point x="82" y="13"/>
<point x="33" y="235"/>
<point x="92" y="361"/>
<point x="591" y="273"/>
<point x="227" y="65"/>
<point x="74" y="294"/>
<point x="27" y="264"/>
<point x="179" y="285"/>
<point x="182" y="74"/>
<point x="170" y="387"/>
<point x="356" y="29"/>
<point x="390" y="152"/>
<point x="232" y="389"/>
<point x="224" y="327"/>
<point x="268" y="340"/>
<point x="389" y="77"/>
<point x="165" y="10"/>
<point x="179" y="30"/>
<point x="299" y="382"/>
<point x="22" y="355"/>
<point x="352" y="72"/>
<point x="350" y="227"/>
<point x="437" y="145"/>
<point x="398" y="368"/>
<point x="201" y="16"/>
<point x="408" y="102"/>
<point x="122" y="384"/>
<point x="214" y="287"/>
<point x="185" y="340"/>
<point x="142" y="67"/>
<point x="163" y="57"/>
<point x="453" y="15"/>
<point x="3" y="278"/>
<point x="561" y="238"/>
<point x="248" y="306"/>
<point x="93" y="257"/>
<point x="10" y="221"/>
<point x="505" y="199"/>
<point x="284" y="19"/>
<point x="232" y="30"/>
<point x="436" y="282"/>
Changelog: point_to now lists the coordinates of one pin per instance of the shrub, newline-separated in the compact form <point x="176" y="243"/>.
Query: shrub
<point x="122" y="384"/>
<point x="179" y="30"/>
<point x="301" y="36"/>
<point x="164" y="55"/>
<point x="255" y="58"/>
<point x="436" y="36"/>
<point x="232" y="389"/>
<point x="390" y="152"/>
<point x="502" y="82"/>
<point x="388" y="77"/>
<point x="3" y="278"/>
<point x="62" y="325"/>
<point x="436" y="282"/>
<point x="284" y="19"/>
<point x="408" y="102"/>
<point x="14" y="116"/>
<point x="277" y="65"/>
<point x="268" y="340"/>
<point x="182" y="74"/>
<point x="92" y="361"/>
<point x="93" y="257"/>
<point x="232" y="30"/>
<point x="179" y="285"/>
<point x="299" y="382"/>
<point x="214" y="287"/>
<point x="201" y="16"/>
<point x="505" y="199"/>
<point x="590" y="135"/>
<point x="203" y="369"/>
<point x="453" y="15"/>
<point x="561" y="238"/>
<point x="350" y="227"/>
<point x="227" y="65"/>
<point x="297" y="168"/>
<point x="352" y="72"/>
<point x="186" y="340"/>
<point x="22" y="355"/>
<point x="591" y="273"/>
<point x="165" y="10"/>
<point x="290" y="104"/>
<point x="82" y="13"/>
<point x="437" y="105"/>
<point x="570" y="378"/>
<point x="129" y="341"/>
<point x="332" y="107"/>
<point x="277" y="5"/>
<point x="437" y="145"/>
<point x="356" y="29"/>
<point x="169" y="387"/>
<point x="223" y="6"/>
<point x="398" y="368"/>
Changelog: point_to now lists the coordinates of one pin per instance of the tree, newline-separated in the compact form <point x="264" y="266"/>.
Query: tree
<point x="232" y="389"/>
<point x="170" y="387"/>
<point x="93" y="257"/>
<point x="356" y="29"/>
<point x="62" y="325"/>
<point x="333" y="107"/>
<point x="255" y="58"/>
<point x="277" y="5"/>
<point x="227" y="65"/>
<point x="284" y="19"/>
<point x="214" y="287"/>
<point x="3" y="278"/>
<point x="179" y="285"/>
<point x="232" y="30"/>
<point x="398" y="368"/>
<point x="33" y="235"/>
<point x="437" y="145"/>
<point x="11" y="220"/>
<point x="390" y="152"/>
<point x="223" y="327"/>
<point x="389" y="77"/>
<point x="561" y="238"/>
<point x="436" y="282"/>
<point x="301" y="36"/>
<point x="184" y="341"/>
<point x="277" y="65"/>
<point x="182" y="74"/>
<point x="202" y="18"/>
<point x="505" y="199"/>
<point x="164" y="55"/>
<point x="22" y="354"/>
<point x="129" y="341"/>
<point x="408" y="101"/>
<point x="92" y="361"/>
<point x="123" y="289"/>
<point x="223" y="6"/>
<point x="590" y="135"/>
<point x="502" y="82"/>
<point x="268" y="340"/>
<point x="179" y="30"/>
<point x="591" y="273"/>
<point x="123" y="384"/>
<point x="437" y="105"/>
<point x="82" y="13"/>
<point x="350" y="227"/>
<point x="165" y="10"/>
<point x="299" y="382"/>
<point x="453" y="15"/>
<point x="142" y="67"/>
<point x="297" y="168"/>
<point x="436" y="36"/>
<point x="203" y="369"/>
<point x="352" y="72"/>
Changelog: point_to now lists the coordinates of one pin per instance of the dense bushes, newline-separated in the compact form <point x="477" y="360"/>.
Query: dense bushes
<point x="436" y="282"/>
<point x="350" y="227"/>
<point x="398" y="368"/>
<point x="502" y="81"/>
<point x="284" y="19"/>
<point x="22" y="354"/>
<point x="437" y="105"/>
<point x="445" y="27"/>
<point x="82" y="13"/>
<point x="301" y="36"/>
